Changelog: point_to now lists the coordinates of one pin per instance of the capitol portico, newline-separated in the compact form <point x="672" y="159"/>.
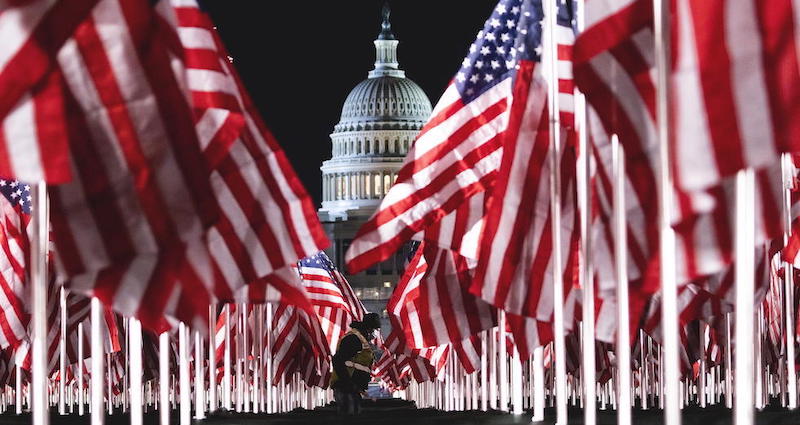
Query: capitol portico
<point x="380" y="119"/>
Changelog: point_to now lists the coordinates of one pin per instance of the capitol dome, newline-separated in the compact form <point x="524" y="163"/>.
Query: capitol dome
<point x="380" y="119"/>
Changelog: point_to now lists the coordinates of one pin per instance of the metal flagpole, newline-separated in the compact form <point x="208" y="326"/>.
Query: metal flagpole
<point x="62" y="353"/>
<point x="502" y="358"/>
<point x="18" y="389"/>
<point x="643" y="376"/>
<point x="621" y="265"/>
<point x="97" y="410"/>
<point x="199" y="378"/>
<point x="589" y="399"/>
<point x="484" y="371"/>
<point x="136" y="370"/>
<point x="109" y="393"/>
<point x="728" y="363"/>
<point x="538" y="383"/>
<point x="183" y="370"/>
<point x="238" y="358"/>
<point x="493" y="368"/>
<point x="163" y="378"/>
<point x="701" y="378"/>
<point x="38" y="278"/>
<point x="212" y="358"/>
<point x="268" y="361"/>
<point x="81" y="365"/>
<point x="791" y="372"/>
<point x="226" y="371"/>
<point x="555" y="205"/>
<point x="745" y="286"/>
<point x="516" y="383"/>
<point x="669" y="286"/>
<point x="245" y="362"/>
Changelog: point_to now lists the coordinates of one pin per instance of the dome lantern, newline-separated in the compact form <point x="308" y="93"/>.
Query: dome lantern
<point x="386" y="50"/>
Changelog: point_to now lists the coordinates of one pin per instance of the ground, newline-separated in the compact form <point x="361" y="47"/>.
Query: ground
<point x="398" y="414"/>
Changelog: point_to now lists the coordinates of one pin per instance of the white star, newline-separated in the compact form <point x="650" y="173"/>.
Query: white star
<point x="495" y="23"/>
<point x="509" y="64"/>
<point x="485" y="50"/>
<point x="480" y="34"/>
<point x="523" y="31"/>
<point x="28" y="198"/>
<point x="470" y="92"/>
<point x="501" y="8"/>
<point x="2" y="182"/>
<point x="466" y="63"/>
<point x="14" y="183"/>
<point x="14" y="195"/>
<point x="521" y="48"/>
<point x="461" y="77"/>
<point x="479" y="64"/>
<point x="488" y="77"/>
<point x="538" y="50"/>
<point x="474" y="78"/>
<point x="22" y="202"/>
<point x="501" y="50"/>
<point x="505" y="37"/>
<point x="515" y="10"/>
<point x="27" y="187"/>
<point x="473" y="48"/>
<point x="513" y="52"/>
<point x="18" y="192"/>
<point x="510" y="24"/>
<point x="490" y="36"/>
<point x="495" y="64"/>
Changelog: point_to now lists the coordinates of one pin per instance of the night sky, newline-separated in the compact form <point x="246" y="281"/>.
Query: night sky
<point x="300" y="59"/>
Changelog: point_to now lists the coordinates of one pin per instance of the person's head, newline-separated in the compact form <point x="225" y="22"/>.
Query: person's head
<point x="368" y="324"/>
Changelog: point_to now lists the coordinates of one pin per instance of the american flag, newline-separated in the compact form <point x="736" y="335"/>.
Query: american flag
<point x="515" y="269"/>
<point x="161" y="212"/>
<point x="14" y="252"/>
<point x="332" y="297"/>
<point x="615" y="67"/>
<point x="431" y="306"/>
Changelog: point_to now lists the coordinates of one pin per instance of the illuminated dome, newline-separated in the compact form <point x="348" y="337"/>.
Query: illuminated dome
<point x="380" y="119"/>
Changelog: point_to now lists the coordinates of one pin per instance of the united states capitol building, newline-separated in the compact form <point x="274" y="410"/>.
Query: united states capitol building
<point x="380" y="119"/>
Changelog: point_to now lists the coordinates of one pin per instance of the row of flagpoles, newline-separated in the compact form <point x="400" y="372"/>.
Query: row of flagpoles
<point x="516" y="358"/>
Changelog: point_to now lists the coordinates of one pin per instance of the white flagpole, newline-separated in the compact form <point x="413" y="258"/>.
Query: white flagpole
<point x="245" y="361"/>
<point x="745" y="286"/>
<point x="199" y="378"/>
<point x="81" y="401"/>
<point x="18" y="390"/>
<point x="538" y="383"/>
<point x="136" y="371"/>
<point x="226" y="371"/>
<point x="212" y="358"/>
<point x="268" y="361"/>
<point x="644" y="378"/>
<point x="164" y="378"/>
<point x="40" y="408"/>
<point x="555" y="205"/>
<point x="502" y="358"/>
<point x="183" y="369"/>
<point x="516" y="383"/>
<point x="62" y="353"/>
<point x="701" y="378"/>
<point x="589" y="399"/>
<point x="493" y="368"/>
<point x="98" y="413"/>
<point x="669" y="286"/>
<point x="621" y="265"/>
<point x="238" y="358"/>
<point x="791" y="372"/>
<point x="484" y="370"/>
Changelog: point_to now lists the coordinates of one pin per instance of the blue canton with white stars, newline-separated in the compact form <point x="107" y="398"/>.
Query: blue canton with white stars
<point x="319" y="261"/>
<point x="512" y="33"/>
<point x="18" y="193"/>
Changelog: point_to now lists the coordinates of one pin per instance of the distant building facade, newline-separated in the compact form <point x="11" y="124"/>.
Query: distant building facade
<point x="380" y="119"/>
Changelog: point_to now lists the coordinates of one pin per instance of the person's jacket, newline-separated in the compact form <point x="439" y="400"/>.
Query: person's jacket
<point x="352" y="363"/>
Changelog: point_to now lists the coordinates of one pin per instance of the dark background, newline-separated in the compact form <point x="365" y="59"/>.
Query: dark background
<point x="300" y="59"/>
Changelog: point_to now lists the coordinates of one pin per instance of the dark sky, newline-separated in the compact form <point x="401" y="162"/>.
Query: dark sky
<point x="300" y="59"/>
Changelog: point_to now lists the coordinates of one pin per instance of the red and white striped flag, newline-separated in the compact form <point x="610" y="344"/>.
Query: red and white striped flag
<point x="431" y="306"/>
<point x="159" y="211"/>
